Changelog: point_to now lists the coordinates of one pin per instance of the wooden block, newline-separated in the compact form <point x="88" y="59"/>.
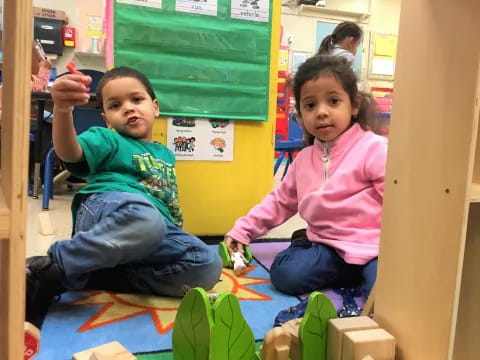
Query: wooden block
<point x="338" y="327"/>
<point x="122" y="356"/>
<point x="376" y="343"/>
<point x="45" y="224"/>
<point x="276" y="345"/>
<point x="291" y="327"/>
<point x="111" y="351"/>
<point x="368" y="357"/>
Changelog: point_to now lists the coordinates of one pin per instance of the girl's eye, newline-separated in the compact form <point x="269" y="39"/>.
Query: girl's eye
<point x="137" y="99"/>
<point x="113" y="106"/>
<point x="334" y="101"/>
<point x="309" y="106"/>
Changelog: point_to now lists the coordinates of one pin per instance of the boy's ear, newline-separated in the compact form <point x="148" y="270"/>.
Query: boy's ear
<point x="157" y="108"/>
<point x="105" y="118"/>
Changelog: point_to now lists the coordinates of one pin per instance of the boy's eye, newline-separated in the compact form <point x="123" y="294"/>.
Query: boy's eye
<point x="137" y="99"/>
<point x="113" y="105"/>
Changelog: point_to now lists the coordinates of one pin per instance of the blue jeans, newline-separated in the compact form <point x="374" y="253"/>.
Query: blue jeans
<point x="122" y="243"/>
<point x="305" y="267"/>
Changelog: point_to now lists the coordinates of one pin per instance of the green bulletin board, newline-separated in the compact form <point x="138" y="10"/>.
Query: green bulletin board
<point x="199" y="65"/>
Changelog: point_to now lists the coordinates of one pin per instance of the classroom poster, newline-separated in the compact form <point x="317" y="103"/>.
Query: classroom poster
<point x="383" y="67"/>
<point x="283" y="59"/>
<point x="200" y="139"/>
<point x="383" y="53"/>
<point x="147" y="3"/>
<point x="203" y="7"/>
<point x="90" y="21"/>
<point x="253" y="10"/>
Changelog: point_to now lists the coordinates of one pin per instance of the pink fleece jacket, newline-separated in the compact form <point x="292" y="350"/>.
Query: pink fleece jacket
<point x="337" y="187"/>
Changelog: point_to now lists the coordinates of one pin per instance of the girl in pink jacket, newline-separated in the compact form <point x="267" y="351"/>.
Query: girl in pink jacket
<point x="336" y="185"/>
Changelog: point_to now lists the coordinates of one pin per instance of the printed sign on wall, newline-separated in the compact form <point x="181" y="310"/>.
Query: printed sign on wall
<point x="204" y="7"/>
<point x="147" y="3"/>
<point x="254" y="10"/>
<point x="200" y="139"/>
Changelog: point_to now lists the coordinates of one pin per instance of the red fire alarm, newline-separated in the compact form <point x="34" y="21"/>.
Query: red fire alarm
<point x="69" y="36"/>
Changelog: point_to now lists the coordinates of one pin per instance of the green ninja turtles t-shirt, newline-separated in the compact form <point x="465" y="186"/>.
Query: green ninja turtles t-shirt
<point x="114" y="162"/>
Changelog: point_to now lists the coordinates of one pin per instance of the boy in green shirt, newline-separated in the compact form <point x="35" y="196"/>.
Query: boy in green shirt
<point x="127" y="220"/>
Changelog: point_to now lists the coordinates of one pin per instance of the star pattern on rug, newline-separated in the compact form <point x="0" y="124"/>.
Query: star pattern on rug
<point x="118" y="307"/>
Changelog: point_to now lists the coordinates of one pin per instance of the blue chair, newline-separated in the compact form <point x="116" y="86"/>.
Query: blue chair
<point x="83" y="119"/>
<point x="287" y="147"/>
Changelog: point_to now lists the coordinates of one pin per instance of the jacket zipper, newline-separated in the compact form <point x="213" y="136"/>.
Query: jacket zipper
<point x="326" y="162"/>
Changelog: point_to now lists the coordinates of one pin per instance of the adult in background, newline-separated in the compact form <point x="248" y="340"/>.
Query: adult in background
<point x="343" y="41"/>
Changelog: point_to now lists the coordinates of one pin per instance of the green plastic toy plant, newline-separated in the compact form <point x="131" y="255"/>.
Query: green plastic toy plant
<point x="313" y="328"/>
<point x="211" y="332"/>
<point x="227" y="259"/>
<point x="193" y="325"/>
<point x="231" y="337"/>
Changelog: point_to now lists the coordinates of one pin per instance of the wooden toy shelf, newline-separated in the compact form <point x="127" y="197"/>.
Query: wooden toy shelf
<point x="16" y="69"/>
<point x="4" y="217"/>
<point x="475" y="193"/>
<point x="427" y="288"/>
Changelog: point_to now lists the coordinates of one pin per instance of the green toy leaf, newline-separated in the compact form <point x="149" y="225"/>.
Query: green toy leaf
<point x="314" y="325"/>
<point x="248" y="253"/>
<point x="193" y="323"/>
<point x="232" y="338"/>
<point x="224" y="255"/>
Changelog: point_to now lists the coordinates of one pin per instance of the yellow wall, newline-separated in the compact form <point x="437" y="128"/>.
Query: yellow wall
<point x="213" y="194"/>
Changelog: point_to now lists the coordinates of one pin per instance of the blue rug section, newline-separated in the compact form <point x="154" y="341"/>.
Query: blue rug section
<point x="60" y="337"/>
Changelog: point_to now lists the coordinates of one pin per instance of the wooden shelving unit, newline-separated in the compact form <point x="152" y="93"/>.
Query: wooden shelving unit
<point x="475" y="193"/>
<point x="311" y="9"/>
<point x="17" y="38"/>
<point x="89" y="54"/>
<point x="427" y="290"/>
<point x="4" y="217"/>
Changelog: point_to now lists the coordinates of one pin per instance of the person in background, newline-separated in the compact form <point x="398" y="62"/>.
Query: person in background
<point x="336" y="185"/>
<point x="343" y="41"/>
<point x="41" y="69"/>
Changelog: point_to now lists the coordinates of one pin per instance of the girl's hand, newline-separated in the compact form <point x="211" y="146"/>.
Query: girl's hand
<point x="70" y="90"/>
<point x="233" y="245"/>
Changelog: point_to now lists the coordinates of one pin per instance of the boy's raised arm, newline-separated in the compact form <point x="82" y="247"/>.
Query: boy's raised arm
<point x="68" y="91"/>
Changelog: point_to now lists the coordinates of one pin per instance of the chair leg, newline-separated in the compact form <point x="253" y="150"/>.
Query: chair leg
<point x="48" y="179"/>
<point x="289" y="161"/>
<point x="278" y="162"/>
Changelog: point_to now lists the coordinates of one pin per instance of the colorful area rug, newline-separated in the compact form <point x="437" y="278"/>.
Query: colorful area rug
<point x="143" y="324"/>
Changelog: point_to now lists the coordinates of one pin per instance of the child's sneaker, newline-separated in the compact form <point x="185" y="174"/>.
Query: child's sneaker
<point x="293" y="312"/>
<point x="44" y="282"/>
<point x="350" y="307"/>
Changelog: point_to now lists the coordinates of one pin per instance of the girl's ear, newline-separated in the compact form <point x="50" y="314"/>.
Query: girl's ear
<point x="355" y="112"/>
<point x="356" y="106"/>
